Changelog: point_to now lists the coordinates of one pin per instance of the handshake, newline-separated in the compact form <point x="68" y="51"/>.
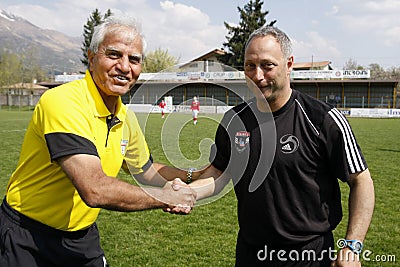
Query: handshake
<point x="179" y="197"/>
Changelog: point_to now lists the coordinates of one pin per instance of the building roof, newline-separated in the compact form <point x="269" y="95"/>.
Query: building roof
<point x="297" y="65"/>
<point x="214" y="52"/>
<point x="30" y="86"/>
<point x="50" y="85"/>
<point x="310" y="65"/>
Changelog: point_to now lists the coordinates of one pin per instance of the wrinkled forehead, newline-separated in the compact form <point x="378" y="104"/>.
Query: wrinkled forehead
<point x="120" y="38"/>
<point x="263" y="45"/>
<point x="127" y="33"/>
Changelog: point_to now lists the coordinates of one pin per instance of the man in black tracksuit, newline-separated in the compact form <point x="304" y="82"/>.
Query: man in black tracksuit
<point x="285" y="152"/>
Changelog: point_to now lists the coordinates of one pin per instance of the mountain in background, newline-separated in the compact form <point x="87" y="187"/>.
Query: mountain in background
<point x="55" y="52"/>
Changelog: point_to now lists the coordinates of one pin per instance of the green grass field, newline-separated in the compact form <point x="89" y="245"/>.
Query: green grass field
<point x="207" y="236"/>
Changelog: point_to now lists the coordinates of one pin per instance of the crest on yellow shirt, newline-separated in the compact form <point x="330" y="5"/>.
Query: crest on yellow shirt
<point x="124" y="144"/>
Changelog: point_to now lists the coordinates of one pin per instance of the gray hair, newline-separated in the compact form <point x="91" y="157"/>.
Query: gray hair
<point x="280" y="36"/>
<point x="101" y="30"/>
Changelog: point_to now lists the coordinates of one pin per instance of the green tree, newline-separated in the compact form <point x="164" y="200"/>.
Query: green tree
<point x="31" y="69"/>
<point x="17" y="68"/>
<point x="394" y="73"/>
<point x="377" y="72"/>
<point x="10" y="69"/>
<point x="351" y="64"/>
<point x="94" y="20"/>
<point x="251" y="18"/>
<point x="158" y="60"/>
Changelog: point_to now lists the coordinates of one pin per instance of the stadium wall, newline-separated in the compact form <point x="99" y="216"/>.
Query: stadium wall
<point x="148" y="108"/>
<point x="372" y="112"/>
<point x="349" y="112"/>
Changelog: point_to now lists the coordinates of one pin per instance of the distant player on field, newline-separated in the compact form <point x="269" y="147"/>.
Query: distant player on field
<point x="162" y="106"/>
<point x="195" y="107"/>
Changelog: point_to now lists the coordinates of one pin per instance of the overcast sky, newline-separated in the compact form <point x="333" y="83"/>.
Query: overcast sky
<point x="366" y="31"/>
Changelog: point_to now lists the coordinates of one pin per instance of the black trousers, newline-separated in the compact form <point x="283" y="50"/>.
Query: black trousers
<point x="316" y="253"/>
<point x="26" y="242"/>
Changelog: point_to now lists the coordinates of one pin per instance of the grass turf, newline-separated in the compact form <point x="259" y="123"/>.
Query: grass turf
<point x="207" y="236"/>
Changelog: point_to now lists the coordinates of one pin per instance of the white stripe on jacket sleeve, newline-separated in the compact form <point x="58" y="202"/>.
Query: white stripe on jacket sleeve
<point x="353" y="155"/>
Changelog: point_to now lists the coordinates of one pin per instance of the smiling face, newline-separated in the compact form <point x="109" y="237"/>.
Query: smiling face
<point x="116" y="66"/>
<point x="267" y="67"/>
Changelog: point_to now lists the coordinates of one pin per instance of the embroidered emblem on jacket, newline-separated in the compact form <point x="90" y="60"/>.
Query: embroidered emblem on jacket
<point x="242" y="139"/>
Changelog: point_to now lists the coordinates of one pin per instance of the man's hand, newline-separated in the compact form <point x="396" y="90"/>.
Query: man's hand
<point x="347" y="258"/>
<point x="183" y="197"/>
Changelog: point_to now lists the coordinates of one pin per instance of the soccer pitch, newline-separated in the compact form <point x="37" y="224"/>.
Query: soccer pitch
<point x="207" y="236"/>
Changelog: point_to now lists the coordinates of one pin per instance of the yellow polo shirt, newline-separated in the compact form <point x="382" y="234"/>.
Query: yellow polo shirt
<point x="72" y="119"/>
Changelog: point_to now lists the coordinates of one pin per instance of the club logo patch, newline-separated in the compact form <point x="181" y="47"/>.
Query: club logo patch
<point x="124" y="143"/>
<point x="242" y="140"/>
<point x="289" y="143"/>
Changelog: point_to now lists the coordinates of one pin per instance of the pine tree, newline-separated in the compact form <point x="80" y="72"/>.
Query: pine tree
<point x="251" y="18"/>
<point x="94" y="20"/>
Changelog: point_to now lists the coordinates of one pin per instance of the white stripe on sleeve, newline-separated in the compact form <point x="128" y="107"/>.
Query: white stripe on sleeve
<point x="353" y="155"/>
